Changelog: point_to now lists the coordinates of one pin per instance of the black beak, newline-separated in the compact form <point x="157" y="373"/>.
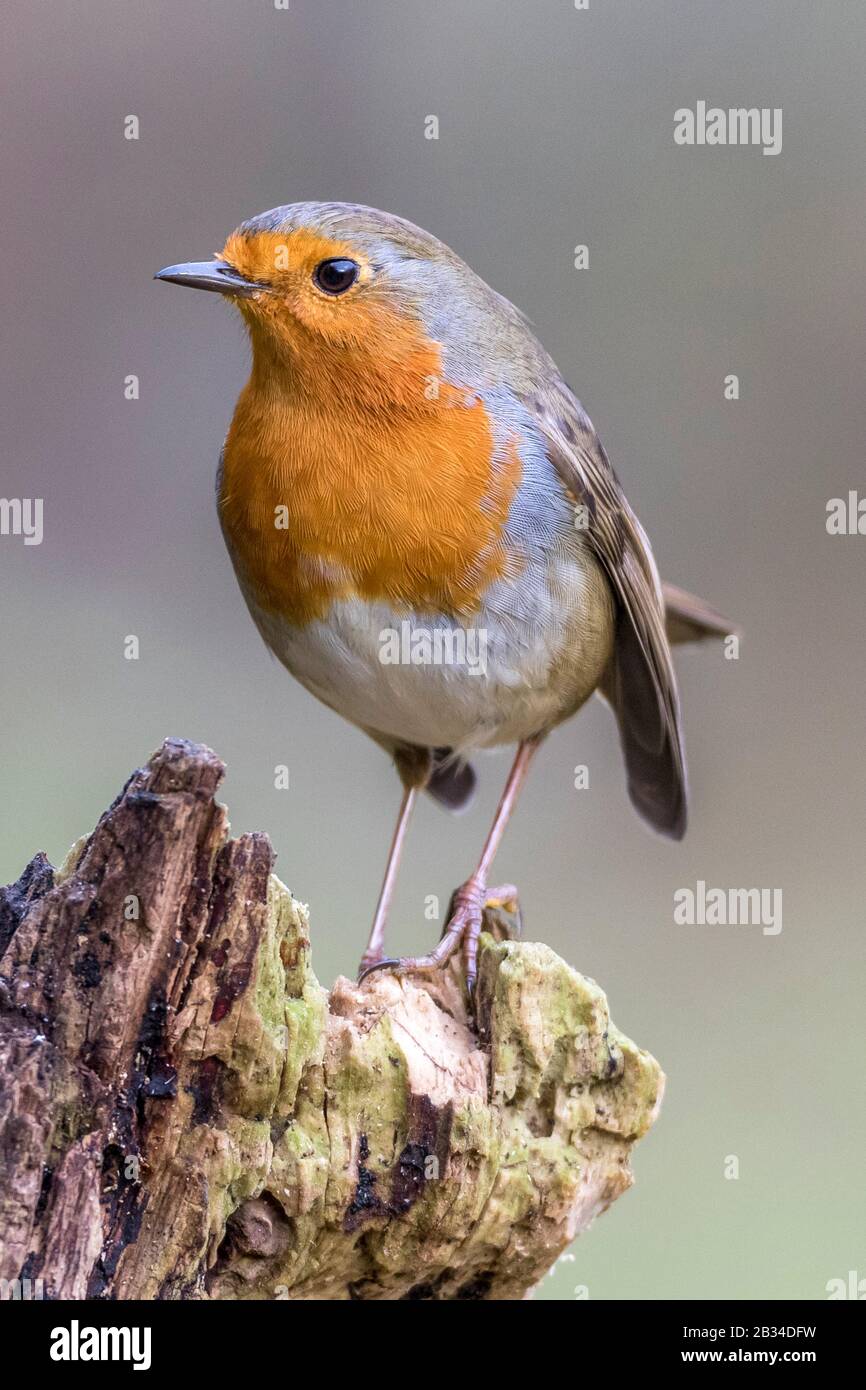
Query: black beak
<point x="210" y="275"/>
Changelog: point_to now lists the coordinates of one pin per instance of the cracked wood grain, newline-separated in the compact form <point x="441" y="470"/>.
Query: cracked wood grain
<point x="186" y="1113"/>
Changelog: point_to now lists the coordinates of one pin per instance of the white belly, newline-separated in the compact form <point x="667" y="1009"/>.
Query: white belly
<point x="532" y="656"/>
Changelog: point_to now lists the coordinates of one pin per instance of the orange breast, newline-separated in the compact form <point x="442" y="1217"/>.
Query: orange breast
<point x="322" y="498"/>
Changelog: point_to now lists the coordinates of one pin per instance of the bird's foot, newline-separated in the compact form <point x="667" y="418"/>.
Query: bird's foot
<point x="461" y="932"/>
<point x="370" y="960"/>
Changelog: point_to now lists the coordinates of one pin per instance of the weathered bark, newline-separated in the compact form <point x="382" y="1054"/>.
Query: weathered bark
<point x="185" y="1112"/>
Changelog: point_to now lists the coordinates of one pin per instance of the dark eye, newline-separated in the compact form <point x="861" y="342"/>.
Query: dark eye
<point x="336" y="276"/>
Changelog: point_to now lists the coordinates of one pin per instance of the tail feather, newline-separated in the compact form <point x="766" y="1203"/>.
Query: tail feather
<point x="651" y="743"/>
<point x="452" y="782"/>
<point x="689" y="619"/>
<point x="653" y="752"/>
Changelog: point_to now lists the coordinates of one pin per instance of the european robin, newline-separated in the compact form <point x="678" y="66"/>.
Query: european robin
<point x="427" y="530"/>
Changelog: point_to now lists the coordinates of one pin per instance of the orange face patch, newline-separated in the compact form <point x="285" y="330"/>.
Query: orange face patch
<point x="364" y="345"/>
<point x="286" y="261"/>
<point x="276" y="258"/>
<point x="352" y="467"/>
<point x="292" y="304"/>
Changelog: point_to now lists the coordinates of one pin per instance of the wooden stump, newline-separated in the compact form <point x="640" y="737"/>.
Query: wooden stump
<point x="185" y="1112"/>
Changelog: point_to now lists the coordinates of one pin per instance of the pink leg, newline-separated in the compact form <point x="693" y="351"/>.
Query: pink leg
<point x="470" y="899"/>
<point x="376" y="943"/>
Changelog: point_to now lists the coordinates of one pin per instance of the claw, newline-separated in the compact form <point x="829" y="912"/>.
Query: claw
<point x="462" y="930"/>
<point x="387" y="964"/>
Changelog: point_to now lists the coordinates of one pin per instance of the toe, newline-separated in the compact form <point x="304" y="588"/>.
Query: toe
<point x="388" y="963"/>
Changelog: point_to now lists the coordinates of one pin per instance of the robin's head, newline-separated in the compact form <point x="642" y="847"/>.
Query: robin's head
<point x="337" y="286"/>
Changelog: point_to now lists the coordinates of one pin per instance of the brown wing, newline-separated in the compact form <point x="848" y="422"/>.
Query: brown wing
<point x="640" y="682"/>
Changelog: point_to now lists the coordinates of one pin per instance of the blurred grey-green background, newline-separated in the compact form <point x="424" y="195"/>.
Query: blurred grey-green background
<point x="556" y="129"/>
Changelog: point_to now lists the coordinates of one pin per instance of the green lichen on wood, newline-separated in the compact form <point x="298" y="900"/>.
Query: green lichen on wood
<point x="206" y="1121"/>
<point x="426" y="1159"/>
